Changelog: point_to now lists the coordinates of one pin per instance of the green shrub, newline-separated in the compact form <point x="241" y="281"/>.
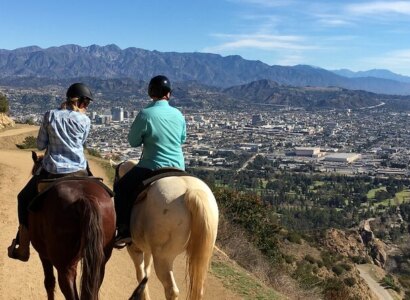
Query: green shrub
<point x="93" y="152"/>
<point x="29" y="142"/>
<point x="349" y="281"/>
<point x="338" y="270"/>
<point x="389" y="283"/>
<point x="335" y="289"/>
<point x="329" y="259"/>
<point x="310" y="258"/>
<point x="4" y="104"/>
<point x="294" y="237"/>
<point x="357" y="259"/>
<point x="289" y="259"/>
<point x="346" y="266"/>
<point x="304" y="274"/>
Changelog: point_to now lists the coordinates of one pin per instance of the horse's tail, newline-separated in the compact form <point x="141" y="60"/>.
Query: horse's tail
<point x="92" y="250"/>
<point x="201" y="241"/>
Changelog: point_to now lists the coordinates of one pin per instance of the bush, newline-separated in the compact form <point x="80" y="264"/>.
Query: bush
<point x="310" y="258"/>
<point x="346" y="266"/>
<point x="294" y="237"/>
<point x="304" y="274"/>
<point x="349" y="281"/>
<point x="28" y="143"/>
<point x="329" y="259"/>
<point x="389" y="283"/>
<point x="335" y="289"/>
<point x="93" y="152"/>
<point x="360" y="260"/>
<point x="338" y="270"/>
<point x="4" y="104"/>
<point x="289" y="259"/>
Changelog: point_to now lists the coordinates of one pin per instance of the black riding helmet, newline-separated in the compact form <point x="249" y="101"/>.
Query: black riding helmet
<point x="159" y="86"/>
<point x="79" y="90"/>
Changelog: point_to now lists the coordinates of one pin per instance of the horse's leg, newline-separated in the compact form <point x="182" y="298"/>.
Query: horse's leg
<point x="163" y="268"/>
<point x="142" y="263"/>
<point x="66" y="281"/>
<point x="107" y="255"/>
<point x="49" y="279"/>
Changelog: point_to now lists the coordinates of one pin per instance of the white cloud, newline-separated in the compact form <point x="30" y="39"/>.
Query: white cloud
<point x="380" y="7"/>
<point x="260" y="41"/>
<point x="334" y="22"/>
<point x="291" y="60"/>
<point x="265" y="3"/>
<point x="398" y="60"/>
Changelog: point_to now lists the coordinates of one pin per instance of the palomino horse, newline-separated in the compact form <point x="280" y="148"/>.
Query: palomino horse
<point x="177" y="213"/>
<point x="76" y="221"/>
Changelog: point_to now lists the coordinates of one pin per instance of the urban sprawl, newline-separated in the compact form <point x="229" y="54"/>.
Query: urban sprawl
<point x="373" y="141"/>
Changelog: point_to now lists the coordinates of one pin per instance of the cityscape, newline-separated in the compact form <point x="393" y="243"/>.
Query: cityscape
<point x="373" y="141"/>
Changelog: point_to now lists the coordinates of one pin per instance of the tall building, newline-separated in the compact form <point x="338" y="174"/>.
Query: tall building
<point x="117" y="114"/>
<point x="257" y="119"/>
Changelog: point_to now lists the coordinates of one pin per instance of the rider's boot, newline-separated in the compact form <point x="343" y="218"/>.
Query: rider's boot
<point x="20" y="246"/>
<point x="123" y="236"/>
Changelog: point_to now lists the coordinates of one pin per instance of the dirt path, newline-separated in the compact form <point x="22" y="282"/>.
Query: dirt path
<point x="377" y="289"/>
<point x="20" y="280"/>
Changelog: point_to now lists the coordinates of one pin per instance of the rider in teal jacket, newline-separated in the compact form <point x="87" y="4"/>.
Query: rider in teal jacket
<point x="161" y="130"/>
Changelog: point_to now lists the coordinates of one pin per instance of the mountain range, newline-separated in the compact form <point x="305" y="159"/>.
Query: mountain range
<point x="108" y="62"/>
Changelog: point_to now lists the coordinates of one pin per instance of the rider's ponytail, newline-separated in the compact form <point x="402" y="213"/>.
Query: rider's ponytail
<point x="71" y="104"/>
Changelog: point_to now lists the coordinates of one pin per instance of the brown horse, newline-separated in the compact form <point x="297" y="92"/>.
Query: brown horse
<point x="76" y="221"/>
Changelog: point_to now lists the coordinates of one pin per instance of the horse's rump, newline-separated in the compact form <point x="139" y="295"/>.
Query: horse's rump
<point x="61" y="215"/>
<point x="45" y="185"/>
<point x="179" y="213"/>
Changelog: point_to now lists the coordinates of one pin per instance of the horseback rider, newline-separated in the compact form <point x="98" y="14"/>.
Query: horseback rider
<point x="62" y="134"/>
<point x="161" y="129"/>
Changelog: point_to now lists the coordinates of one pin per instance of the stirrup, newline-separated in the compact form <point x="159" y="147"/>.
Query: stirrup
<point x="12" y="252"/>
<point x="121" y="242"/>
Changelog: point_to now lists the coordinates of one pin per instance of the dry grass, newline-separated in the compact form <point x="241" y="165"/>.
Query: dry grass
<point x="235" y="243"/>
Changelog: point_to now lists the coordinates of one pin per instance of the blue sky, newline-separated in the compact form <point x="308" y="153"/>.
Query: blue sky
<point x="358" y="35"/>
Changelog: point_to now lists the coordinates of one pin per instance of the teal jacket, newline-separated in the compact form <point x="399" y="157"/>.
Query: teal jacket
<point x="161" y="129"/>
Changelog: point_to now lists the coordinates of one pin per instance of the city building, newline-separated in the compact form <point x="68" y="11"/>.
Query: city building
<point x="307" y="151"/>
<point x="117" y="114"/>
<point x="342" y="157"/>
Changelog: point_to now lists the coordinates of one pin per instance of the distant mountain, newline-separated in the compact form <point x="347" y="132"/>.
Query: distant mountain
<point x="110" y="61"/>
<point x="125" y="91"/>
<point x="268" y="92"/>
<point x="377" y="73"/>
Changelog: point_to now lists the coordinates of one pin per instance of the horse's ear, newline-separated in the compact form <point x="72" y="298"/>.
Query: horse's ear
<point x="34" y="156"/>
<point x="113" y="164"/>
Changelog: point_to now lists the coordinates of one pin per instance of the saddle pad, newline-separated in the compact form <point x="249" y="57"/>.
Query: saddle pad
<point x="45" y="185"/>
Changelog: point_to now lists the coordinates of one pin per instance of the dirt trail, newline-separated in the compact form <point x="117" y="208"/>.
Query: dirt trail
<point x="20" y="280"/>
<point x="377" y="289"/>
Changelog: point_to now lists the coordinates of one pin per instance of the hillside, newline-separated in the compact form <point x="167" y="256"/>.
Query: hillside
<point x="73" y="61"/>
<point x="5" y="121"/>
<point x="42" y="93"/>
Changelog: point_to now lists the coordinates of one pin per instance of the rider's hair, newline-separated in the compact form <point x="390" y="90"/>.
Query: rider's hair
<point x="71" y="104"/>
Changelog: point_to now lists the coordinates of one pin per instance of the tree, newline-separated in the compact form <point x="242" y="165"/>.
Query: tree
<point x="4" y="104"/>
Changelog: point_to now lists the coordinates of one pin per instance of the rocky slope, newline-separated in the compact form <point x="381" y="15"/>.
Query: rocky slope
<point x="5" y="121"/>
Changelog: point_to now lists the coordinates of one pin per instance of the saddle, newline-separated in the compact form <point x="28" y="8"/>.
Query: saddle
<point x="44" y="185"/>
